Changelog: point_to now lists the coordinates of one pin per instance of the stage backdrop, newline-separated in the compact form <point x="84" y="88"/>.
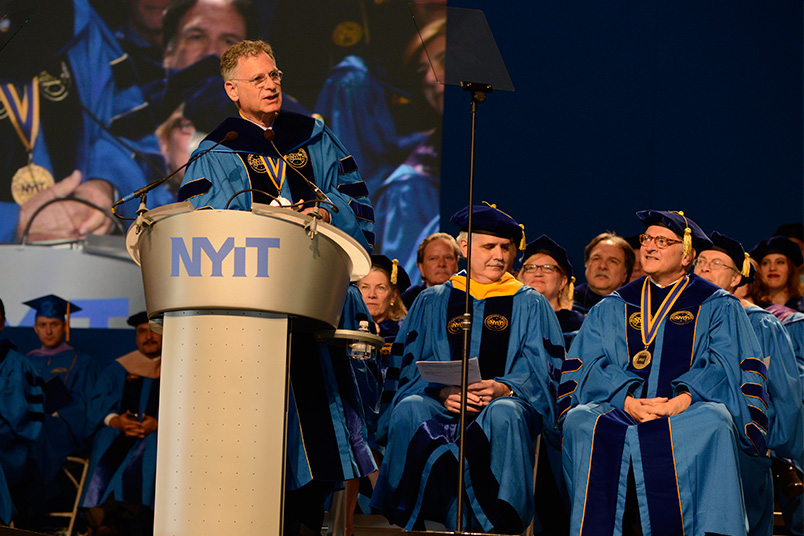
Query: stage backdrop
<point x="627" y="105"/>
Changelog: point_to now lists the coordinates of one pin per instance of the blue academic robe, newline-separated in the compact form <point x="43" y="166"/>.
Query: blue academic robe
<point x="355" y="104"/>
<point x="370" y="375"/>
<point x="685" y="467"/>
<point x="585" y="298"/>
<point x="125" y="467"/>
<point x="411" y="194"/>
<point x="518" y="341"/>
<point x="21" y="416"/>
<point x="68" y="432"/>
<point x="794" y="324"/>
<point x="793" y="508"/>
<point x="327" y="436"/>
<point x="785" y="416"/>
<point x="251" y="162"/>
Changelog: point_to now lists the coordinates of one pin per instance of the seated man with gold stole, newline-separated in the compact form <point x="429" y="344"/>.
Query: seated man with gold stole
<point x="519" y="346"/>
<point x="661" y="386"/>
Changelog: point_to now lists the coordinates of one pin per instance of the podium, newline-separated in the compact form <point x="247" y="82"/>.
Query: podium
<point x="230" y="289"/>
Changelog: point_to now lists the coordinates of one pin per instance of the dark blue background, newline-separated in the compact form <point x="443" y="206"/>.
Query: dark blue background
<point x="626" y="105"/>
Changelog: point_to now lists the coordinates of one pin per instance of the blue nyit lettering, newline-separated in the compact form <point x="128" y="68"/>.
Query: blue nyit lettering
<point x="202" y="247"/>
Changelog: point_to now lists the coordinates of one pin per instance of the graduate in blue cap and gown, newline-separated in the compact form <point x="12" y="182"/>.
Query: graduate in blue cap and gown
<point x="519" y="345"/>
<point x="21" y="416"/>
<point x="327" y="441"/>
<point x="68" y="375"/>
<point x="124" y="409"/>
<point x="727" y="265"/>
<point x="662" y="385"/>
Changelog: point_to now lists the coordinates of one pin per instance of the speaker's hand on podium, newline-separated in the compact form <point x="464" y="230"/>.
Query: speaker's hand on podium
<point x="324" y="213"/>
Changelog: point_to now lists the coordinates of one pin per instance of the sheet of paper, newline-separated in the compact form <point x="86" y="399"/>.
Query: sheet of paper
<point x="448" y="372"/>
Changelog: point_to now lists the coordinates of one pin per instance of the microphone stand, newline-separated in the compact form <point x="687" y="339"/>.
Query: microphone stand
<point x="311" y="228"/>
<point x="478" y="92"/>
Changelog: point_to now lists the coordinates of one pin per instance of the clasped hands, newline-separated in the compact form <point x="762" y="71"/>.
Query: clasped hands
<point x="132" y="427"/>
<point x="478" y="395"/>
<point x="68" y="219"/>
<point x="647" y="409"/>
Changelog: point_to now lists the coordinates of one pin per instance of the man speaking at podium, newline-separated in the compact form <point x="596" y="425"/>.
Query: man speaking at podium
<point x="268" y="157"/>
<point x="263" y="144"/>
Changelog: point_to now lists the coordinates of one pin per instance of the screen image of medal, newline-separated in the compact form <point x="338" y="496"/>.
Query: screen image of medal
<point x="641" y="359"/>
<point x="28" y="181"/>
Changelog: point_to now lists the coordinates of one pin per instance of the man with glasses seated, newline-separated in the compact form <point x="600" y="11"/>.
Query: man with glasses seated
<point x="267" y="144"/>
<point x="727" y="265"/>
<point x="662" y="385"/>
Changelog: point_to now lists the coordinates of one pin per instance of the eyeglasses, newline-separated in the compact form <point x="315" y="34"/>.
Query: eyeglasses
<point x="715" y="265"/>
<point x="260" y="80"/>
<point x="533" y="268"/>
<point x="660" y="241"/>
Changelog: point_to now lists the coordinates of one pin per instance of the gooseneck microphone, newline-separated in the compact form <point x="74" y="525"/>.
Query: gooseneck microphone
<point x="320" y="195"/>
<point x="230" y="136"/>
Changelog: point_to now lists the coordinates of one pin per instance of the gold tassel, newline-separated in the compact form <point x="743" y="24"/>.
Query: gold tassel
<point x="522" y="243"/>
<point x="394" y="271"/>
<point x="571" y="289"/>
<point x="686" y="243"/>
<point x="67" y="329"/>
<point x="746" y="271"/>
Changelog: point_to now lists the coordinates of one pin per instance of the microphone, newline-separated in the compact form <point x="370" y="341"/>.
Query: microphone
<point x="230" y="136"/>
<point x="320" y="195"/>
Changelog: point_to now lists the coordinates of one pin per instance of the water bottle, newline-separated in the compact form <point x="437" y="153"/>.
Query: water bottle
<point x="359" y="349"/>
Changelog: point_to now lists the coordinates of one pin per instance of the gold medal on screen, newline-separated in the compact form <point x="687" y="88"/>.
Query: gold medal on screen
<point x="28" y="181"/>
<point x="23" y="112"/>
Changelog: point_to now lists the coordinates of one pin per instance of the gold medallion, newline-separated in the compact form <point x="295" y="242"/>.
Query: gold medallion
<point x="30" y="180"/>
<point x="641" y="359"/>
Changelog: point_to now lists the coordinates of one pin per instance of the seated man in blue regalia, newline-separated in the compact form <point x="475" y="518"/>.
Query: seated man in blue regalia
<point x="727" y="265"/>
<point x="326" y="428"/>
<point x="519" y="345"/>
<point x="21" y="416"/>
<point x="664" y="382"/>
<point x="68" y="375"/>
<point x="124" y="409"/>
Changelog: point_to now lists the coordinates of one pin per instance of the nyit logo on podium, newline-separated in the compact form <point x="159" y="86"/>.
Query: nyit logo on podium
<point x="202" y="247"/>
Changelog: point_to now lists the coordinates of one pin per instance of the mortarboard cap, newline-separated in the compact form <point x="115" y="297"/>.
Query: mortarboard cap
<point x="488" y="219"/>
<point x="137" y="319"/>
<point x="778" y="244"/>
<point x="735" y="251"/>
<point x="692" y="235"/>
<point x="545" y="244"/>
<point x="398" y="276"/>
<point x="51" y="306"/>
